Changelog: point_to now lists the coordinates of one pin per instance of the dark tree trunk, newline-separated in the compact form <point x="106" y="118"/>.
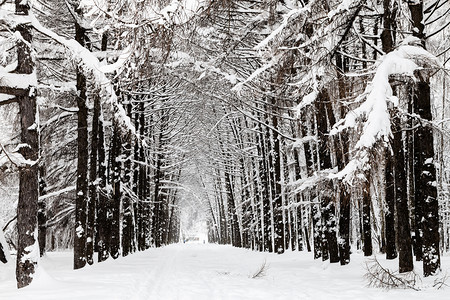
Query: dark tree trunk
<point x="317" y="232"/>
<point x="424" y="168"/>
<point x="308" y="244"/>
<point x="235" y="232"/>
<point x="387" y="42"/>
<point x="315" y="208"/>
<point x="270" y="181"/>
<point x="3" y="250"/>
<point x="341" y="146"/>
<point x="115" y="154"/>
<point x="247" y="214"/>
<point x="367" y="226"/>
<point x="344" y="226"/>
<point x="103" y="203"/>
<point x="93" y="194"/>
<point x="301" y="238"/>
<point x="137" y="203"/>
<point x="389" y="26"/>
<point x="103" y="207"/>
<point x="42" y="213"/>
<point x="414" y="201"/>
<point x="79" y="247"/>
<point x="389" y="215"/>
<point x="257" y="192"/>
<point x="324" y="117"/>
<point x="27" y="207"/>
<point x="127" y="223"/>
<point x="263" y="167"/>
<point x="139" y="181"/>
<point x="158" y="222"/>
<point x="277" y="197"/>
<point x="160" y="212"/>
<point x="425" y="181"/>
<point x="403" y="227"/>
<point x="220" y="205"/>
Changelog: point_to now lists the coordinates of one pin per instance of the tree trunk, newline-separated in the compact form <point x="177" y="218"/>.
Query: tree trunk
<point x="367" y="225"/>
<point x="79" y="247"/>
<point x="265" y="192"/>
<point x="277" y="196"/>
<point x="116" y="166"/>
<point x="387" y="43"/>
<point x="103" y="207"/>
<point x="391" y="249"/>
<point x="127" y="222"/>
<point x="315" y="208"/>
<point x="425" y="181"/>
<point x="27" y="207"/>
<point x="235" y="232"/>
<point x="403" y="228"/>
<point x="324" y="117"/>
<point x="425" y="170"/>
<point x="93" y="194"/>
<point x="341" y="146"/>
<point x="4" y="255"/>
<point x="103" y="204"/>
<point x="42" y="213"/>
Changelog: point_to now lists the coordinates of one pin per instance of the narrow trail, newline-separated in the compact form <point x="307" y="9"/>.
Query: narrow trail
<point x="204" y="272"/>
<point x="180" y="272"/>
<point x="158" y="281"/>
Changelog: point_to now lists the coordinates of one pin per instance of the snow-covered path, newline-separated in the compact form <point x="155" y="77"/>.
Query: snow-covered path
<point x="203" y="271"/>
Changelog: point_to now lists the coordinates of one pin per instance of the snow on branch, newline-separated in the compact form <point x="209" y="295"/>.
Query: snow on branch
<point x="373" y="112"/>
<point x="17" y="84"/>
<point x="91" y="66"/>
<point x="402" y="61"/>
<point x="10" y="20"/>
<point x="312" y="181"/>
<point x="307" y="100"/>
<point x="343" y="6"/>
<point x="174" y="13"/>
<point x="57" y="193"/>
<point x="256" y="73"/>
<point x="15" y="157"/>
<point x="286" y="19"/>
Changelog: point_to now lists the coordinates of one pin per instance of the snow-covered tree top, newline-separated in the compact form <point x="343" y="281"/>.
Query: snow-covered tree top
<point x="374" y="109"/>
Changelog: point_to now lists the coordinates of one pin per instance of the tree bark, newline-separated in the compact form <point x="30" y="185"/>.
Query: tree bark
<point x="424" y="169"/>
<point x="127" y="222"/>
<point x="391" y="249"/>
<point x="93" y="194"/>
<point x="367" y="225"/>
<point x="403" y="227"/>
<point x="42" y="213"/>
<point x="79" y="248"/>
<point x="324" y="117"/>
<point x="103" y="204"/>
<point x="103" y="207"/>
<point x="341" y="146"/>
<point x="27" y="207"/>
<point x="235" y="232"/>
<point x="116" y="168"/>
<point x="315" y="207"/>
<point x="425" y="181"/>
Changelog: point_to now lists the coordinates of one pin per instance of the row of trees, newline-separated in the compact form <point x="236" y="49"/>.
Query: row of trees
<point x="355" y="162"/>
<point x="304" y="124"/>
<point x="107" y="186"/>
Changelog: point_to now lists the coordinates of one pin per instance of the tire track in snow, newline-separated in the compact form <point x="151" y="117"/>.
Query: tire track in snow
<point x="152" y="285"/>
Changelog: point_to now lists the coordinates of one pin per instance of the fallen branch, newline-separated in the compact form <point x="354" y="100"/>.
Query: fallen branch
<point x="381" y="277"/>
<point x="261" y="271"/>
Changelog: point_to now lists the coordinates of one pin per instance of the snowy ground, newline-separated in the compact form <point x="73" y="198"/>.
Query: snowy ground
<point x="204" y="271"/>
